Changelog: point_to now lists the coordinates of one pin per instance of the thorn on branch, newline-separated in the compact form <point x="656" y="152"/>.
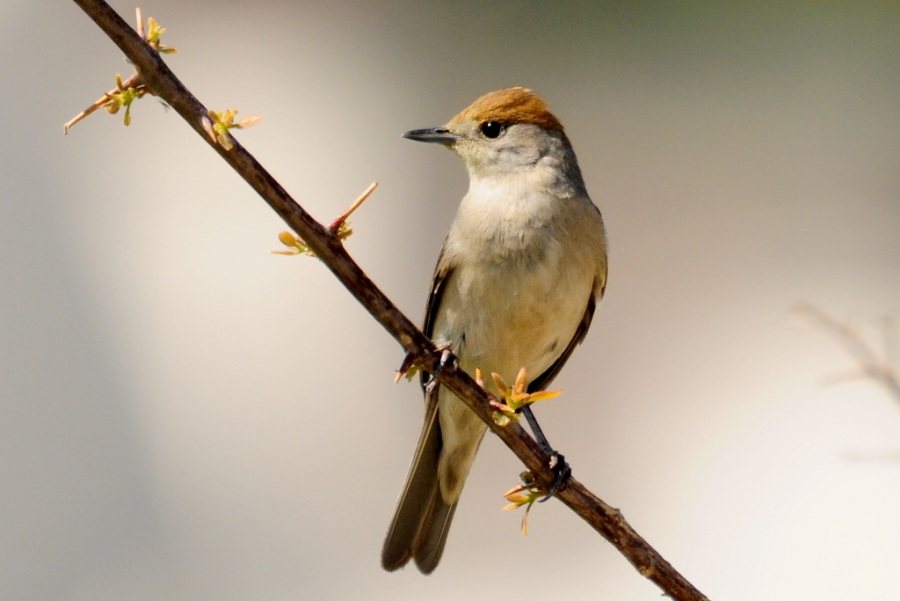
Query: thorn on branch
<point x="408" y="369"/>
<point x="340" y="227"/>
<point x="338" y="224"/>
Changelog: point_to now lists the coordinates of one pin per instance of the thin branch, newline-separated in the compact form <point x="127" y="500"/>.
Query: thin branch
<point x="880" y="369"/>
<point x="605" y="519"/>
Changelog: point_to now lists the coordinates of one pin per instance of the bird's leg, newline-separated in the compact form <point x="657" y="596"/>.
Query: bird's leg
<point x="561" y="470"/>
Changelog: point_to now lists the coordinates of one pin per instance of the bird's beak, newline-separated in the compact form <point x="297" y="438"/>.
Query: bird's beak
<point x="440" y="135"/>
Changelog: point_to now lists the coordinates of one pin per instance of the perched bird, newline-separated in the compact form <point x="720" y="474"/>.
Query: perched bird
<point x="516" y="284"/>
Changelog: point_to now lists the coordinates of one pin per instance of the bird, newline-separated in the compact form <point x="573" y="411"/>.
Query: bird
<point x="521" y="271"/>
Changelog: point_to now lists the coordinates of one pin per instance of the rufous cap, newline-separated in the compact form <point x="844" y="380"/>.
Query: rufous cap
<point x="510" y="106"/>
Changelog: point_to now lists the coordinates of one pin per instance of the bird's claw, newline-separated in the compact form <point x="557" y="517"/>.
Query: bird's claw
<point x="561" y="474"/>
<point x="447" y="360"/>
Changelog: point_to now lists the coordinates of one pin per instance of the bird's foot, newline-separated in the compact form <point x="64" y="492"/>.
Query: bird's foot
<point x="561" y="474"/>
<point x="447" y="360"/>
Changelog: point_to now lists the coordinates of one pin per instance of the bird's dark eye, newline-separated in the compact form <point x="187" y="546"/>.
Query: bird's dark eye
<point x="491" y="129"/>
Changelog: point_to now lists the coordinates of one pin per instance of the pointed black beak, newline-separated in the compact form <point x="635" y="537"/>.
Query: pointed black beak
<point x="440" y="135"/>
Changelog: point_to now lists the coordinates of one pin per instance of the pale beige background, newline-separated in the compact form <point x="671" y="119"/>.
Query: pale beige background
<point x="185" y="416"/>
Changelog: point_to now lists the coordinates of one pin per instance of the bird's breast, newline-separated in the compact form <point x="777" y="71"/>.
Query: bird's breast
<point x="518" y="289"/>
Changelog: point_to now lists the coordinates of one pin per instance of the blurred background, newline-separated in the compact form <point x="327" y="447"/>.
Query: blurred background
<point x="184" y="415"/>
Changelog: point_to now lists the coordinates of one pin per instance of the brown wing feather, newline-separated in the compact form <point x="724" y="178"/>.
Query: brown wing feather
<point x="441" y="274"/>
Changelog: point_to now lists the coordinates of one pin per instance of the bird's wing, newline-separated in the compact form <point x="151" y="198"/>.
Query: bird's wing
<point x="442" y="273"/>
<point x="542" y="381"/>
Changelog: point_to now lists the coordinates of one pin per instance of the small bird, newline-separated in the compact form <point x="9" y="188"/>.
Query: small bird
<point x="516" y="284"/>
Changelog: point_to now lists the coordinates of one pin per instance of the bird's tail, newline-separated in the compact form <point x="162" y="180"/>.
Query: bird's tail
<point x="422" y="520"/>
